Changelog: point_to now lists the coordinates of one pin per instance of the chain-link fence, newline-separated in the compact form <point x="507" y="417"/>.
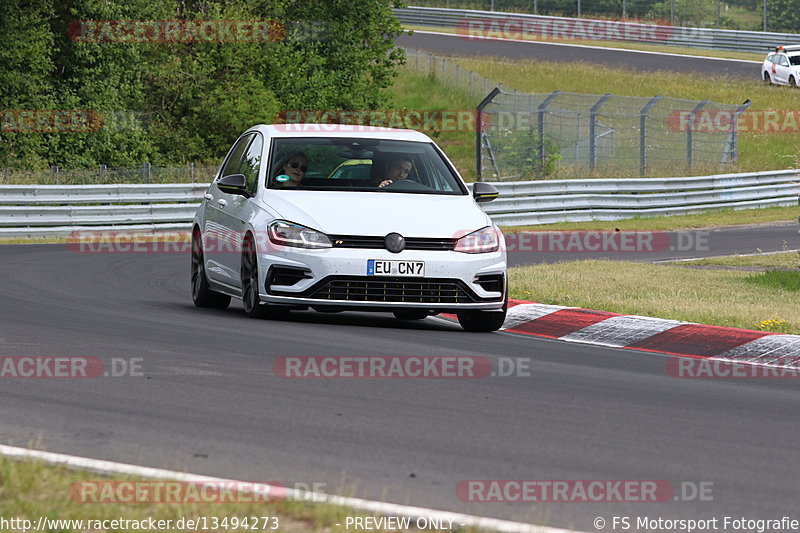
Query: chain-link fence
<point x="147" y="173"/>
<point x="527" y="136"/>
<point x="530" y="136"/>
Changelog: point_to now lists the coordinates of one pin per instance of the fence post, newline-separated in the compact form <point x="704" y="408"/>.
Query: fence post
<point x="5" y="175"/>
<point x="479" y="130"/>
<point x="689" y="146"/>
<point x="146" y="172"/>
<point x="540" y="123"/>
<point x="643" y="134"/>
<point x="191" y="171"/>
<point x="54" y="172"/>
<point x="733" y="137"/>
<point x="592" y="127"/>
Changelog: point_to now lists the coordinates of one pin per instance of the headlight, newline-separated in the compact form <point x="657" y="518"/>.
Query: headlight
<point x="479" y="242"/>
<point x="288" y="234"/>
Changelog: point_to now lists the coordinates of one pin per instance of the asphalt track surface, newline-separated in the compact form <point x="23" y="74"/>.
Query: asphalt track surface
<point x="457" y="45"/>
<point x="209" y="403"/>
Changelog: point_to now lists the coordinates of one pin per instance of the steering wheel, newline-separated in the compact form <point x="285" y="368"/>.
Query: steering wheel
<point x="407" y="185"/>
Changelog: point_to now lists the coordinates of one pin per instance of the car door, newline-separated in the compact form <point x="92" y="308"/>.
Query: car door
<point x="220" y="234"/>
<point x="782" y="69"/>
<point x="238" y="212"/>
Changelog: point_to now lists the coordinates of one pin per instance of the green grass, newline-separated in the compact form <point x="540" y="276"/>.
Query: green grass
<point x="418" y="92"/>
<point x="717" y="297"/>
<point x="788" y="280"/>
<point x="30" y="490"/>
<point x="721" y="218"/>
<point x="757" y="151"/>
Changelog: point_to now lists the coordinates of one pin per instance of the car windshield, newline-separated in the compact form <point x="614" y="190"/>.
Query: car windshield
<point x="794" y="60"/>
<point x="377" y="165"/>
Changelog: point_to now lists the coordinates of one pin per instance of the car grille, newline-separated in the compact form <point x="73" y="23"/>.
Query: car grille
<point x="412" y="243"/>
<point x="391" y="289"/>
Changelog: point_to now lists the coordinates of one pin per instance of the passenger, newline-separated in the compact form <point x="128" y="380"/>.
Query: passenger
<point x="397" y="168"/>
<point x="292" y="171"/>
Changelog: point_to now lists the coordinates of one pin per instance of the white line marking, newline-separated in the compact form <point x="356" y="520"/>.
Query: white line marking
<point x="749" y="61"/>
<point x="391" y="509"/>
<point x="719" y="256"/>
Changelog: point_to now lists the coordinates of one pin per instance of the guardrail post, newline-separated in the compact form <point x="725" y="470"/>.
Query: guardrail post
<point x="146" y="172"/>
<point x="643" y="134"/>
<point x="191" y="171"/>
<point x="689" y="131"/>
<point x="479" y="129"/>
<point x="592" y="127"/>
<point x="540" y="122"/>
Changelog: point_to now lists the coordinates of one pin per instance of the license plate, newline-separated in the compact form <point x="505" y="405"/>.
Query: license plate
<point x="380" y="267"/>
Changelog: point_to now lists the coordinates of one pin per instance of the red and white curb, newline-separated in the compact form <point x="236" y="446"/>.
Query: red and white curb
<point x="632" y="332"/>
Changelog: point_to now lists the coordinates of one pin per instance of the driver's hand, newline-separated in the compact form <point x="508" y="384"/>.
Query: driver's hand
<point x="384" y="183"/>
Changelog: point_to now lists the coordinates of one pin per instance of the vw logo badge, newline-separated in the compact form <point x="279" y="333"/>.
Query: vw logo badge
<point x="395" y="243"/>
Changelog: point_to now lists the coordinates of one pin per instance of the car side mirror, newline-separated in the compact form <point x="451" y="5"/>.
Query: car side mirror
<point x="234" y="184"/>
<point x="484" y="192"/>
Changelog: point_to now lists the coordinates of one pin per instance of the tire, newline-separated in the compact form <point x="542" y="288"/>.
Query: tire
<point x="483" y="321"/>
<point x="249" y="274"/>
<point x="202" y="295"/>
<point x="767" y="78"/>
<point x="792" y="82"/>
<point x="411" y="314"/>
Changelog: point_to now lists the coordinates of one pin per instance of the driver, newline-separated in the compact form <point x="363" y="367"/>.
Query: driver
<point x="397" y="168"/>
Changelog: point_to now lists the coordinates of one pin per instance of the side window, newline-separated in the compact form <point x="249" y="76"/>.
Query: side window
<point x="783" y="61"/>
<point x="251" y="163"/>
<point x="234" y="161"/>
<point x="771" y="58"/>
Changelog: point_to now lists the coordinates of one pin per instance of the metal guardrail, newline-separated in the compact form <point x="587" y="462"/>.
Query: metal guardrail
<point x="550" y="201"/>
<point x="32" y="211"/>
<point x="539" y="27"/>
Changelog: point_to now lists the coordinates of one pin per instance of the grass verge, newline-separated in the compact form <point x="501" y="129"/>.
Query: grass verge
<point x="717" y="297"/>
<point x="419" y="92"/>
<point x="30" y="489"/>
<point x="712" y="219"/>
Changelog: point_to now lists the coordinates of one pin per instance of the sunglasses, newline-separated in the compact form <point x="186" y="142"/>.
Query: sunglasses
<point x="295" y="164"/>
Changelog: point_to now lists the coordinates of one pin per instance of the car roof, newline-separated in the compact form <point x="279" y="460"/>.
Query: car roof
<point x="340" y="130"/>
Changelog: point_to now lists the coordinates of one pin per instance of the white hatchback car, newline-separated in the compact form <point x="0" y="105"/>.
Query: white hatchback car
<point x="277" y="231"/>
<point x="782" y="66"/>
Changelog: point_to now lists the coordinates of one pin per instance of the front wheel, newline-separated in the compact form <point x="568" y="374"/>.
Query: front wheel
<point x="202" y="295"/>
<point x="250" y="298"/>
<point x="792" y="82"/>
<point x="483" y="321"/>
<point x="767" y="78"/>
